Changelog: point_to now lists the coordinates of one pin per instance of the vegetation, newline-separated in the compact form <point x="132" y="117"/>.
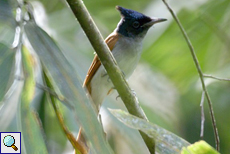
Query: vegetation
<point x="44" y="56"/>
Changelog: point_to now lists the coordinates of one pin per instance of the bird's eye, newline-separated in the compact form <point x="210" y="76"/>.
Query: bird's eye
<point x="136" y="24"/>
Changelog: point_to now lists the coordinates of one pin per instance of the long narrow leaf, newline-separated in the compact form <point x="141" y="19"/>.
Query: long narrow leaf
<point x="66" y="83"/>
<point x="5" y="10"/>
<point x="29" y="122"/>
<point x="200" y="147"/>
<point x="6" y="65"/>
<point x="10" y="88"/>
<point x="166" y="142"/>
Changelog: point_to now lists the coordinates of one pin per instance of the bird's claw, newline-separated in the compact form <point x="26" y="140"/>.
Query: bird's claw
<point x="117" y="97"/>
<point x="104" y="74"/>
<point x="134" y="93"/>
<point x="108" y="80"/>
<point x="123" y="73"/>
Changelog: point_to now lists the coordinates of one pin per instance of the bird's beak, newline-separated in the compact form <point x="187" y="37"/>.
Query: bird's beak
<point x="154" y="21"/>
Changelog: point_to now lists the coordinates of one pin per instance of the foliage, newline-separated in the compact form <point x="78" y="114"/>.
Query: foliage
<point x="200" y="147"/>
<point x="166" y="81"/>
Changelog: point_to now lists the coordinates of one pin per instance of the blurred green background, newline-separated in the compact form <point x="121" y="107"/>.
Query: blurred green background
<point x="166" y="81"/>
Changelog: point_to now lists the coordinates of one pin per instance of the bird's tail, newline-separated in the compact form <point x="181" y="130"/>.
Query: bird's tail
<point x="97" y="101"/>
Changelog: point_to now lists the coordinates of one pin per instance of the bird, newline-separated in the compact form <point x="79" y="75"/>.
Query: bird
<point x="125" y="43"/>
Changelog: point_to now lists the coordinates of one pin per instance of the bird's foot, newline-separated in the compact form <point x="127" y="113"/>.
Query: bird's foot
<point x="105" y="74"/>
<point x="123" y="73"/>
<point x="118" y="97"/>
<point x="134" y="93"/>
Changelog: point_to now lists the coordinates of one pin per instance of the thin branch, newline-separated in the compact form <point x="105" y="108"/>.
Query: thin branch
<point x="202" y="115"/>
<point x="108" y="61"/>
<point x="217" y="78"/>
<point x="200" y="74"/>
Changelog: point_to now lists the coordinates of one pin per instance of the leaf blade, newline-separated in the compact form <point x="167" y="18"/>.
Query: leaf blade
<point x="166" y="142"/>
<point x="67" y="86"/>
<point x="200" y="147"/>
<point x="29" y="122"/>
<point x="10" y="88"/>
<point x="6" y="68"/>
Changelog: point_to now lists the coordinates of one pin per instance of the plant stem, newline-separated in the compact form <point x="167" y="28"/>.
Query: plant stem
<point x="217" y="78"/>
<point x="199" y="72"/>
<point x="110" y="64"/>
<point x="202" y="116"/>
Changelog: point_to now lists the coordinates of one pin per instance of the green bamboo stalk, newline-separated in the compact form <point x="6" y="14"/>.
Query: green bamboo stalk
<point x="108" y="61"/>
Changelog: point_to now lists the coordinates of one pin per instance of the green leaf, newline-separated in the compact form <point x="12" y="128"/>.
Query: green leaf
<point x="6" y="68"/>
<point x="29" y="122"/>
<point x="10" y="87"/>
<point x="166" y="142"/>
<point x="7" y="21"/>
<point x="67" y="86"/>
<point x="5" y="11"/>
<point x="200" y="147"/>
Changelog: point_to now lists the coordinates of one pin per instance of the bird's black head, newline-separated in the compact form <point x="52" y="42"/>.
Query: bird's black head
<point x="134" y="24"/>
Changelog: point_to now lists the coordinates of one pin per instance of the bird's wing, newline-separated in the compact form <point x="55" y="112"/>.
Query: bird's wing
<point x="110" y="41"/>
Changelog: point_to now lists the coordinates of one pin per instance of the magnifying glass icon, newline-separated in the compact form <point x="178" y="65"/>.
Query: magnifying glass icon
<point x="9" y="141"/>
